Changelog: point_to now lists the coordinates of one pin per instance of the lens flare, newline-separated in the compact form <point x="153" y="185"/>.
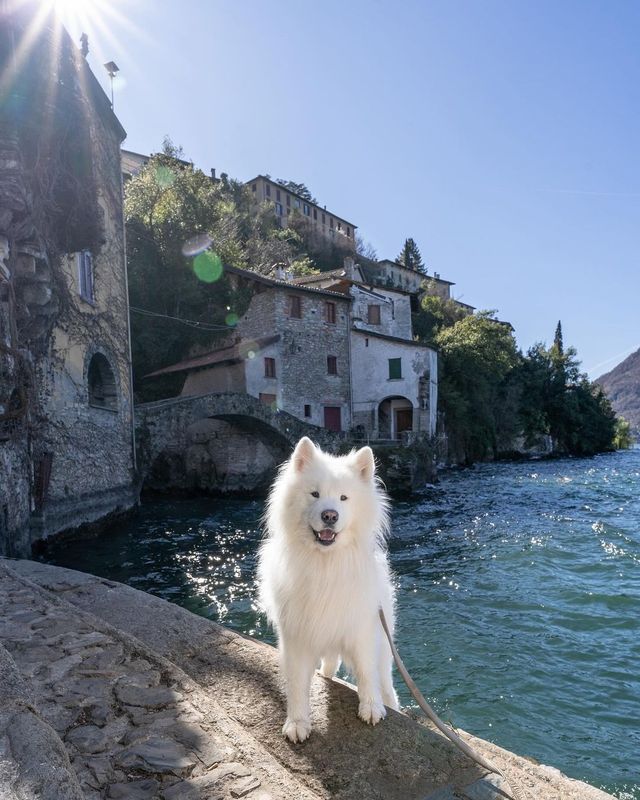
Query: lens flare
<point x="231" y="319"/>
<point x="248" y="349"/>
<point x="196" y="244"/>
<point x="208" y="266"/>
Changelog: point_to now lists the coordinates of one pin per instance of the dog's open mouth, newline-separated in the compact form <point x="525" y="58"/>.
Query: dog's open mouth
<point x="326" y="536"/>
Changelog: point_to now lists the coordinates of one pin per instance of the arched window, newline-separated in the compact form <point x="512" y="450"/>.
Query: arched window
<point x="103" y="392"/>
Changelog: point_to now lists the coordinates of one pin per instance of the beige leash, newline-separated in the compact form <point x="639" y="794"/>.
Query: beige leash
<point x="431" y="714"/>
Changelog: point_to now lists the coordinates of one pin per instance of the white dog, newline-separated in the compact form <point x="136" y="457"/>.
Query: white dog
<point x="323" y="576"/>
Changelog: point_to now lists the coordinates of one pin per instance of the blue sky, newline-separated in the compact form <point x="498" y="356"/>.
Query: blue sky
<point x="502" y="135"/>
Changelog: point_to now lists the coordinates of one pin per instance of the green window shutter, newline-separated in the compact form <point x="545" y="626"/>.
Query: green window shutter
<point x="395" y="368"/>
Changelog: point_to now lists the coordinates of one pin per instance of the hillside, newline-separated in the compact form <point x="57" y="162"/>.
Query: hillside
<point x="622" y="385"/>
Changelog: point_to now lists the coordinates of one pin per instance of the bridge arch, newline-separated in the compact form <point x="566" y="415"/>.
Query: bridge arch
<point x="219" y="443"/>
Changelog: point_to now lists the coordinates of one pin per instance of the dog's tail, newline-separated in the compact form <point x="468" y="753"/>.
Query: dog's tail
<point x="431" y="714"/>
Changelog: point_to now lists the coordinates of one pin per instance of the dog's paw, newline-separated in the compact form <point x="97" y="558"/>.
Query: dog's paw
<point x="371" y="711"/>
<point x="296" y="730"/>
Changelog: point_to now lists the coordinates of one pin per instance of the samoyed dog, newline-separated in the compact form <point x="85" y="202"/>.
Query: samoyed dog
<point x="323" y="576"/>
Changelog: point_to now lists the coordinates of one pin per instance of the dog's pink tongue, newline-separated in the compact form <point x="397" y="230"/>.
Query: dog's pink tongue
<point x="326" y="534"/>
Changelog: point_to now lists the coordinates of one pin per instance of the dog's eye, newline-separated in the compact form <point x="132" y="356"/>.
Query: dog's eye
<point x="343" y="497"/>
<point x="315" y="494"/>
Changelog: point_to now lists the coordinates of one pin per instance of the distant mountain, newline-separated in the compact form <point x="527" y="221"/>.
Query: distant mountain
<point x="622" y="385"/>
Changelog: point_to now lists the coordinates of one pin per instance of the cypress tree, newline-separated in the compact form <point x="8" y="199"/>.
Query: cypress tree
<point x="410" y="257"/>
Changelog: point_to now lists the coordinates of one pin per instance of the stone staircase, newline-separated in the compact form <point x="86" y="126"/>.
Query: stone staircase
<point x="108" y="692"/>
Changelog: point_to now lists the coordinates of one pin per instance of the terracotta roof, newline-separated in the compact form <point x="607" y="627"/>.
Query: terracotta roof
<point x="229" y="354"/>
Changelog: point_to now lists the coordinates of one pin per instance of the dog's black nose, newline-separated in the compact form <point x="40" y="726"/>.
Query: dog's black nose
<point x="329" y="517"/>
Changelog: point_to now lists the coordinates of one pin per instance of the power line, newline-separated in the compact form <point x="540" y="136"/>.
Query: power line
<point x="191" y="323"/>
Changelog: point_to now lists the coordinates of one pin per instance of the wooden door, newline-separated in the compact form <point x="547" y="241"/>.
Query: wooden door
<point x="332" y="418"/>
<point x="404" y="420"/>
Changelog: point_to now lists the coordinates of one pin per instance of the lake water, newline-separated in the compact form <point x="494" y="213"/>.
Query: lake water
<point x="518" y="599"/>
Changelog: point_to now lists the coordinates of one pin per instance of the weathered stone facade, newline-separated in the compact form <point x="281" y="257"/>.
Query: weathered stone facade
<point x="307" y="341"/>
<point x="66" y="443"/>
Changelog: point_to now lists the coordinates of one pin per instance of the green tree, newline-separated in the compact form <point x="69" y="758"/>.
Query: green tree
<point x="410" y="257"/>
<point x="558" y="400"/>
<point x="182" y="227"/>
<point x="435" y="314"/>
<point x="297" y="188"/>
<point x="623" y="438"/>
<point x="478" y="355"/>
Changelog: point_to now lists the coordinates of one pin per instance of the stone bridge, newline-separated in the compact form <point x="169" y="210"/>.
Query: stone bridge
<point x="220" y="443"/>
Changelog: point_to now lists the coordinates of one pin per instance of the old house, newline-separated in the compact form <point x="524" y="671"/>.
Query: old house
<point x="66" y="427"/>
<point x="288" y="205"/>
<point x="394" y="380"/>
<point x="290" y="349"/>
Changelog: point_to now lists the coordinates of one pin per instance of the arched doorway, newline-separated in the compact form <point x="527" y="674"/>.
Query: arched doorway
<point x="395" y="415"/>
<point x="103" y="391"/>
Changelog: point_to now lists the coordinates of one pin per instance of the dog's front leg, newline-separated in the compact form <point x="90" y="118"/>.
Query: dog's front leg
<point x="298" y="669"/>
<point x="365" y="660"/>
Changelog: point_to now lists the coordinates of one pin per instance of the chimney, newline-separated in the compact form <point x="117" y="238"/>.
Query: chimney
<point x="213" y="173"/>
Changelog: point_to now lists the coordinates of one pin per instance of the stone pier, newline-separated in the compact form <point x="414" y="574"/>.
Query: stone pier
<point x="108" y="692"/>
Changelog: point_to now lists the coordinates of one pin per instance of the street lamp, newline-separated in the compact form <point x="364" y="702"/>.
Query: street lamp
<point x="112" y="69"/>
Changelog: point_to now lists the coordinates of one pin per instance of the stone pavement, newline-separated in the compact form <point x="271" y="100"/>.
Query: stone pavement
<point x="134" y="697"/>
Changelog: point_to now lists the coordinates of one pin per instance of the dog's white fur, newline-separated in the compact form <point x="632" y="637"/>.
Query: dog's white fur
<point x="323" y="599"/>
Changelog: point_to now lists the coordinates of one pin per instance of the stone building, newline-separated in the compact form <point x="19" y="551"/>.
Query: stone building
<point x="290" y="349"/>
<point x="288" y="205"/>
<point x="394" y="380"/>
<point x="66" y="422"/>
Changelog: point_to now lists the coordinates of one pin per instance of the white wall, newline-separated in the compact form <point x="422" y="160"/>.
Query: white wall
<point x="370" y="376"/>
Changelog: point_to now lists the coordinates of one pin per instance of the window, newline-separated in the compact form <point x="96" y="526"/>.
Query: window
<point x="323" y="220"/>
<point x="306" y="209"/>
<point x="295" y="306"/>
<point x="348" y="231"/>
<point x="279" y="209"/>
<point x="267" y="190"/>
<point x="269" y="368"/>
<point x="296" y="203"/>
<point x="253" y="187"/>
<point x="278" y="194"/>
<point x="307" y="411"/>
<point x="373" y="315"/>
<point x="288" y="201"/>
<point x="85" y="276"/>
<point x="332" y="365"/>
<point x="395" y="368"/>
<point x="331" y="222"/>
<point x="339" y="226"/>
<point x="366" y="341"/>
<point x="315" y="213"/>
<point x="330" y="313"/>
<point x="103" y="392"/>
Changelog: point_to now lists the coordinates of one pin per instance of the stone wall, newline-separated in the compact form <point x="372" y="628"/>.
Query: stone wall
<point x="217" y="444"/>
<point x="395" y="312"/>
<point x="302" y="376"/>
<point x="64" y="461"/>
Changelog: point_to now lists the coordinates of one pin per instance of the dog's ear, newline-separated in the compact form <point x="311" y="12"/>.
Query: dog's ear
<point x="365" y="464"/>
<point x="304" y="454"/>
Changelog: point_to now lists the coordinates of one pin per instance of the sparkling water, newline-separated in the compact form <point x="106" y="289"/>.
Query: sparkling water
<point x="518" y="599"/>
